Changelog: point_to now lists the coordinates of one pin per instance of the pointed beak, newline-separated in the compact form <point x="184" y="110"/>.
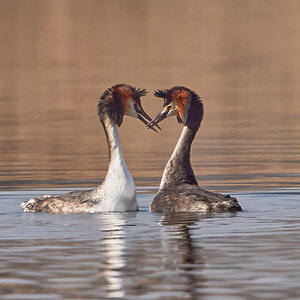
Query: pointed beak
<point x="144" y="117"/>
<point x="162" y="115"/>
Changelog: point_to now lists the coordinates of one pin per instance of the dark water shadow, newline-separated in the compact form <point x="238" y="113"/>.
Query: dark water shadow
<point x="185" y="255"/>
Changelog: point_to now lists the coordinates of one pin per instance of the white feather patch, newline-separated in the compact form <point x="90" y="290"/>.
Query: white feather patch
<point x="117" y="192"/>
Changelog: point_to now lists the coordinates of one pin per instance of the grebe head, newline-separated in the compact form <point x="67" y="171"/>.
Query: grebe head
<point x="120" y="100"/>
<point x="181" y="102"/>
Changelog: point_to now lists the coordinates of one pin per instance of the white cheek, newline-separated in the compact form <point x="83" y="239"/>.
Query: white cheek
<point x="130" y="110"/>
<point x="171" y="113"/>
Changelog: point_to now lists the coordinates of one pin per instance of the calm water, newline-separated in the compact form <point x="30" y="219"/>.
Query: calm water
<point x="242" y="57"/>
<point x="253" y="254"/>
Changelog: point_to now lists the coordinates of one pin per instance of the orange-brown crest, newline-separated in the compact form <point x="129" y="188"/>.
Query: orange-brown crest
<point x="125" y="93"/>
<point x="181" y="98"/>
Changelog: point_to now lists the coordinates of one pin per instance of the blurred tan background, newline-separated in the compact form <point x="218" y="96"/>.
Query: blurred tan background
<point x="58" y="56"/>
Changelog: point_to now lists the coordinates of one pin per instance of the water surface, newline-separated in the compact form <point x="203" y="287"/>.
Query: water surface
<point x="252" y="254"/>
<point x="57" y="58"/>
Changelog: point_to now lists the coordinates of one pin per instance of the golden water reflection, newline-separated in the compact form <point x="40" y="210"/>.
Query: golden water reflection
<point x="57" y="57"/>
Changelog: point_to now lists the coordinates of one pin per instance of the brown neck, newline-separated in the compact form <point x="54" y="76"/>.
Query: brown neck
<point x="179" y="169"/>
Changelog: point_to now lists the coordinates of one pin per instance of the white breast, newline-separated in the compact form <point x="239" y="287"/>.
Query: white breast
<point x="117" y="192"/>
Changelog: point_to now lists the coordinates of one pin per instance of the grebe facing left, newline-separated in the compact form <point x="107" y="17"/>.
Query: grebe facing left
<point x="179" y="190"/>
<point x="117" y="192"/>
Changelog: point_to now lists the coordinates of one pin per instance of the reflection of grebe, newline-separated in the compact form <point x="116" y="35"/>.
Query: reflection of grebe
<point x="179" y="190"/>
<point x="117" y="192"/>
<point x="112" y="248"/>
<point x="185" y="257"/>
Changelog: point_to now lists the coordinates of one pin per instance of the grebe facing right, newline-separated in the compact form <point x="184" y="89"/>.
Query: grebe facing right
<point x="117" y="192"/>
<point x="179" y="190"/>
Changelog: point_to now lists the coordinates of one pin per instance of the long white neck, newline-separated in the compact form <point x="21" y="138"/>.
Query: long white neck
<point x="116" y="158"/>
<point x="117" y="192"/>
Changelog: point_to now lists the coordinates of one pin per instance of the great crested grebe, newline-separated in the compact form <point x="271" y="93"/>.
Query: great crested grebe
<point x="117" y="192"/>
<point x="179" y="190"/>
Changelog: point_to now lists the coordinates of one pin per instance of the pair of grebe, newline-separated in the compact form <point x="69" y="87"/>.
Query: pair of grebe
<point x="179" y="190"/>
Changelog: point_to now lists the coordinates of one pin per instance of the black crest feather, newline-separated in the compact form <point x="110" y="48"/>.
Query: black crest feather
<point x="140" y="92"/>
<point x="162" y="93"/>
<point x="110" y="104"/>
<point x="196" y="112"/>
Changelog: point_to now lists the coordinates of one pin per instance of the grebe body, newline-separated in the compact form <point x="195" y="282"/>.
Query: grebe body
<point x="179" y="190"/>
<point x="117" y="192"/>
